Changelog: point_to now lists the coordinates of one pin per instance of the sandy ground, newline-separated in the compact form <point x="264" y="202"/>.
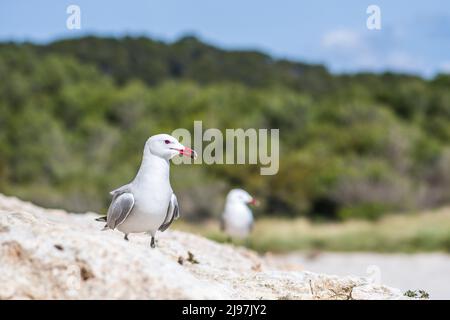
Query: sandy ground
<point x="427" y="271"/>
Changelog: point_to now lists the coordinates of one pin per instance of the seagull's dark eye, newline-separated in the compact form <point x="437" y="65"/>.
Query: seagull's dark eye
<point x="166" y="141"/>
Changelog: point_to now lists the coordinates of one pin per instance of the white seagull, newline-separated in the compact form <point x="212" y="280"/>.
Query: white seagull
<point x="237" y="218"/>
<point x="148" y="204"/>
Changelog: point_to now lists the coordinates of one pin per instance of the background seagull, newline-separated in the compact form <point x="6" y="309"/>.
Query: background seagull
<point x="237" y="218"/>
<point x="148" y="204"/>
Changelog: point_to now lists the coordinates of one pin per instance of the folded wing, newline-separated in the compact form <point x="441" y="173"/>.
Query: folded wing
<point x="120" y="208"/>
<point x="173" y="212"/>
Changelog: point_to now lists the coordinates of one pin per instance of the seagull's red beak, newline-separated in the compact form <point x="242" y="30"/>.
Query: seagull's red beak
<point x="254" y="202"/>
<point x="188" y="152"/>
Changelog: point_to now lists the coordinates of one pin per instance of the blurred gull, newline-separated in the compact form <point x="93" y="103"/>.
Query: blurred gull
<point x="148" y="204"/>
<point x="237" y="218"/>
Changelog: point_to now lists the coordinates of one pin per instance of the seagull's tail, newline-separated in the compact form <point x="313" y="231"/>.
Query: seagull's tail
<point x="101" y="219"/>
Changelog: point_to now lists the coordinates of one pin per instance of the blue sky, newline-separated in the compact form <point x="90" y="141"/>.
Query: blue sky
<point x="414" y="38"/>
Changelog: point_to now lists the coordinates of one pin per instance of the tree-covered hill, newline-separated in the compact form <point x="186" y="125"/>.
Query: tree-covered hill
<point x="74" y="115"/>
<point x="187" y="59"/>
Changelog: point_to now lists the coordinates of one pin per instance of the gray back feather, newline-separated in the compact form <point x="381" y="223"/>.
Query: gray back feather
<point x="117" y="192"/>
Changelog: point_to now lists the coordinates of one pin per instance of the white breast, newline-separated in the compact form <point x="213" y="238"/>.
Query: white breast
<point x="148" y="214"/>
<point x="152" y="192"/>
<point x="238" y="219"/>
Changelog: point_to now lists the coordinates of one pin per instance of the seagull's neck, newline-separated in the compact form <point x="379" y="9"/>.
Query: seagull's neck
<point x="230" y="204"/>
<point x="153" y="169"/>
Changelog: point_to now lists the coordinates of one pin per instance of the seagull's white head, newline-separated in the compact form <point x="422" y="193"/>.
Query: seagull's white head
<point x="165" y="146"/>
<point x="240" y="195"/>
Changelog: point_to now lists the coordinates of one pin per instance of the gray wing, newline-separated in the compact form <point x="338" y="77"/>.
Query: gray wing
<point x="173" y="212"/>
<point x="115" y="193"/>
<point x="120" y="208"/>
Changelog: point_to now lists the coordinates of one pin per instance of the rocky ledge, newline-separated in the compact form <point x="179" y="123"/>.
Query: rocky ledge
<point x="52" y="254"/>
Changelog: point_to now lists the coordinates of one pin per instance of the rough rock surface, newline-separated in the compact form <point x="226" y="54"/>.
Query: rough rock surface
<point x="51" y="254"/>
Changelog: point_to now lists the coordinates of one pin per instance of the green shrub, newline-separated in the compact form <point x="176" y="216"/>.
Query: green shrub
<point x="370" y="211"/>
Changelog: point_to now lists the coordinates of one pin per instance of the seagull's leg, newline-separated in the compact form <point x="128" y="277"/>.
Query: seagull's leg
<point x="126" y="236"/>
<point x="152" y="242"/>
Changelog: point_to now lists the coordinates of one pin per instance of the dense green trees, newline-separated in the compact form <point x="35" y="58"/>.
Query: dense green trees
<point x="75" y="114"/>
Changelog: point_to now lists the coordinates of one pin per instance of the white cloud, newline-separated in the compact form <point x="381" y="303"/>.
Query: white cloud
<point x="402" y="61"/>
<point x="350" y="50"/>
<point x="342" y="39"/>
<point x="444" y="67"/>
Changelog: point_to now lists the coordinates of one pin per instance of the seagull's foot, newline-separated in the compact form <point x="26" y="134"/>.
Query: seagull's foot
<point x="126" y="237"/>
<point x="152" y="243"/>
